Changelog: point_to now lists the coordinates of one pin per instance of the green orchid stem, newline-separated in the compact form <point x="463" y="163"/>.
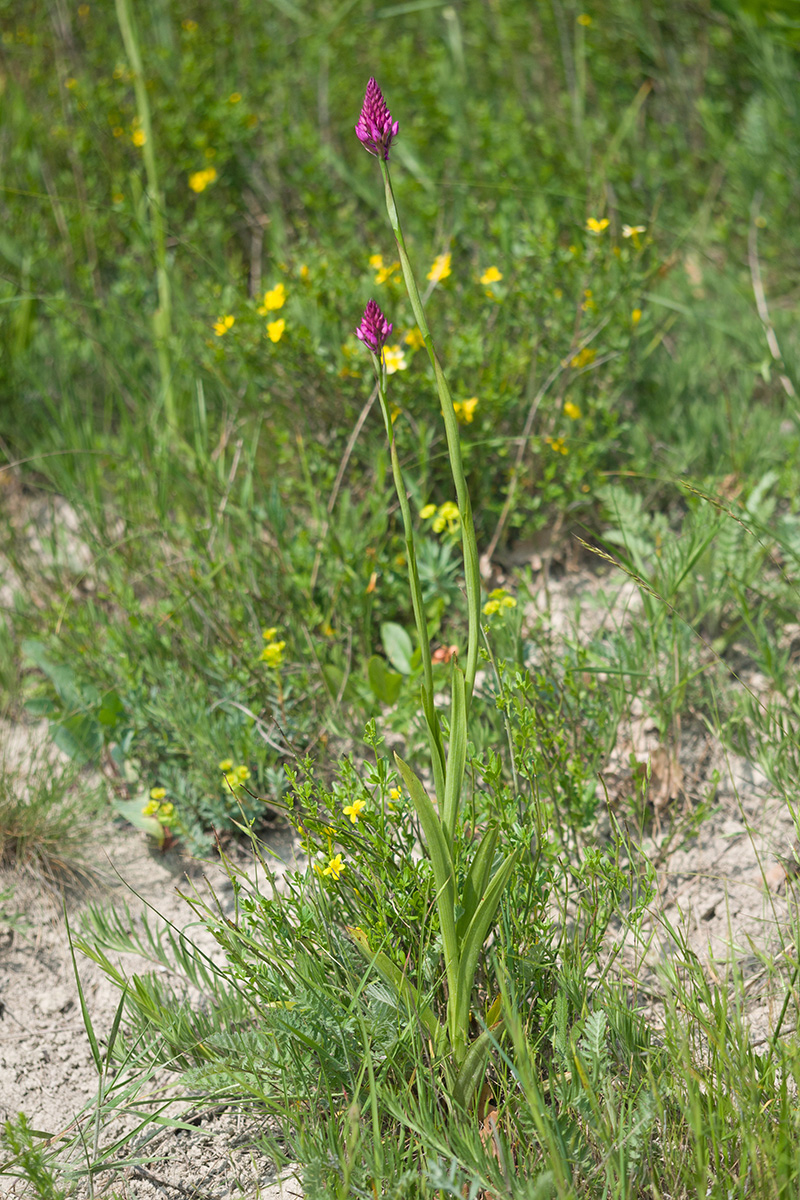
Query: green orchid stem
<point x="435" y="740"/>
<point x="471" y="564"/>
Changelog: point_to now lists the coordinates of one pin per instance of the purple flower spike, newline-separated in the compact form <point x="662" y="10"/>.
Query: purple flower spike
<point x="375" y="128"/>
<point x="374" y="328"/>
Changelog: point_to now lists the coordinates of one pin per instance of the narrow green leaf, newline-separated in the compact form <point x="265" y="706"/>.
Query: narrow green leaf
<point x="456" y="759"/>
<point x="476" y="935"/>
<point x="475" y="884"/>
<point x="441" y="860"/>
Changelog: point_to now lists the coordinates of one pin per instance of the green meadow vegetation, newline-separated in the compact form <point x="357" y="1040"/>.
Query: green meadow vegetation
<point x="215" y="498"/>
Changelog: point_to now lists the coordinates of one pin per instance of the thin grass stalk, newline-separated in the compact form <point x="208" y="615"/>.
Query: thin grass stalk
<point x="162" y="317"/>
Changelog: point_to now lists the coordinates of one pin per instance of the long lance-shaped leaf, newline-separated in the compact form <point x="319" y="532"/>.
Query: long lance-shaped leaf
<point x="478" y="877"/>
<point x="443" y="874"/>
<point x="473" y="1067"/>
<point x="475" y="937"/>
<point x="404" y="989"/>
<point x="457" y="754"/>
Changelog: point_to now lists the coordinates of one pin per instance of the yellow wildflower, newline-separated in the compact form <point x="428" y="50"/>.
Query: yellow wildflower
<point x="427" y="512"/>
<point x="572" y="411"/>
<point x="223" y="325"/>
<point x="498" y="599"/>
<point x="491" y="275"/>
<point x="447" y="518"/>
<point x="595" y="226"/>
<point x="352" y="810"/>
<point x="275" y="329"/>
<point x="386" y="272"/>
<point x="225" y="765"/>
<point x="199" y="180"/>
<point x="150" y="808"/>
<point x="633" y="231"/>
<point x="583" y="358"/>
<point x="465" y="410"/>
<point x="138" y="137"/>
<point x="414" y="339"/>
<point x="440" y="268"/>
<point x="394" y="359"/>
<point x="636" y="316"/>
<point x="334" y="867"/>
<point x="272" y="654"/>
<point x="273" y="299"/>
<point x="557" y="445"/>
<point x="157" y="793"/>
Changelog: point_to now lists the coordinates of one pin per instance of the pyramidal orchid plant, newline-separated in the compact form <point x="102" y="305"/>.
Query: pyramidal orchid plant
<point x="467" y="894"/>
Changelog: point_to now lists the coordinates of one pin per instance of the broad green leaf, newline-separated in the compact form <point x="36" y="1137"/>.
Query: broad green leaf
<point x="79" y="736"/>
<point x="457" y="756"/>
<point x="385" y="684"/>
<point x="131" y="810"/>
<point x="473" y="1068"/>
<point x="398" y="646"/>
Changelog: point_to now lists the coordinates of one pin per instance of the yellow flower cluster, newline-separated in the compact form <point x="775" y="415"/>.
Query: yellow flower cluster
<point x="498" y="600"/>
<point x="383" y="270"/>
<point x="445" y="518"/>
<point x="272" y="654"/>
<point x="465" y="410"/>
<point x="583" y="358"/>
<point x="199" y="180"/>
<point x="234" y="776"/>
<point x="274" y="299"/>
<point x="440" y="268"/>
<point x="164" y="812"/>
<point x="223" y="324"/>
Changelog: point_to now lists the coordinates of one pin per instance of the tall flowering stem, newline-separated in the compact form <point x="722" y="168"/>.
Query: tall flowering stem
<point x="472" y="574"/>
<point x="374" y="331"/>
<point x="467" y="893"/>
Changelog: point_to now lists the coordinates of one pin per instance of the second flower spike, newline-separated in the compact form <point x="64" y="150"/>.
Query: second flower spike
<point x="374" y="328"/>
<point x="375" y="129"/>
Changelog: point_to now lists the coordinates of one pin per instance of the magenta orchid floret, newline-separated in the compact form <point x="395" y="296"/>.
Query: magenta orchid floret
<point x="374" y="328"/>
<point x="375" y="129"/>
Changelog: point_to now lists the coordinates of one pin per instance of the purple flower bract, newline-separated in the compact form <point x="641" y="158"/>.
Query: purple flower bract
<point x="374" y="328"/>
<point x="375" y="129"/>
